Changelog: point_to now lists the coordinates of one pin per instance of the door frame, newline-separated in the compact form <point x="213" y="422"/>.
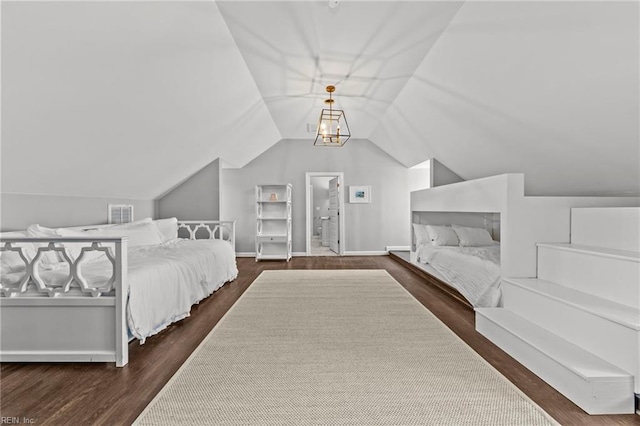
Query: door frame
<point x="309" y="217"/>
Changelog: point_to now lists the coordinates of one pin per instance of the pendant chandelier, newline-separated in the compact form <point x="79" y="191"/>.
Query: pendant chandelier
<point x="333" y="129"/>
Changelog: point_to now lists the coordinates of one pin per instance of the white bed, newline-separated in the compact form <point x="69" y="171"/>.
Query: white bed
<point x="472" y="271"/>
<point x="164" y="280"/>
<point x="184" y="273"/>
<point x="86" y="307"/>
<point x="465" y="257"/>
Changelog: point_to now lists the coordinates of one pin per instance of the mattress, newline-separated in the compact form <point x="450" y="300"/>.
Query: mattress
<point x="472" y="271"/>
<point x="164" y="280"/>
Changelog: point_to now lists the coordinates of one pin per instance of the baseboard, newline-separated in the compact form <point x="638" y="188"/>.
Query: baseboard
<point x="304" y="254"/>
<point x="398" y="248"/>
<point x="366" y="253"/>
<point x="354" y="253"/>
<point x="253" y="254"/>
<point x="245" y="254"/>
<point x="57" y="356"/>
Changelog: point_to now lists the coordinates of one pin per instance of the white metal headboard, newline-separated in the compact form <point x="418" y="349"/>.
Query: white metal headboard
<point x="216" y="229"/>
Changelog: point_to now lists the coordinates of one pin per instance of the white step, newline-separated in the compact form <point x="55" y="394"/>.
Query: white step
<point x="607" y="273"/>
<point x="607" y="329"/>
<point x="612" y="227"/>
<point x="590" y="382"/>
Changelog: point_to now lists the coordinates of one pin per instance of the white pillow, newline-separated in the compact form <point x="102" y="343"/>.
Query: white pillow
<point x="442" y="235"/>
<point x="168" y="228"/>
<point x="131" y="224"/>
<point x="422" y="236"/>
<point x="37" y="231"/>
<point x="141" y="234"/>
<point x="74" y="249"/>
<point x="10" y="261"/>
<point x="473" y="237"/>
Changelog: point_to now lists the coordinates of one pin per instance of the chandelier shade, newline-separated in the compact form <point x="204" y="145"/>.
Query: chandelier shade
<point x="333" y="129"/>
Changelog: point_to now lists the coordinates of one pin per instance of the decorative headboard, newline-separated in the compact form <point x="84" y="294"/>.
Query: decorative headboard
<point x="208" y="229"/>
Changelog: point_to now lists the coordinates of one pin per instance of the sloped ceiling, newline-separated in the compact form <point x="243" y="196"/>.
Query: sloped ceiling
<point x="549" y="89"/>
<point x="122" y="99"/>
<point x="127" y="99"/>
<point x="367" y="50"/>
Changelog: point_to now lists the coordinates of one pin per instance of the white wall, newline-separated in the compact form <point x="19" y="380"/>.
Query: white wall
<point x="196" y="198"/>
<point x="624" y="234"/>
<point x="17" y="211"/>
<point x="369" y="227"/>
<point x="442" y="175"/>
<point x="419" y="178"/>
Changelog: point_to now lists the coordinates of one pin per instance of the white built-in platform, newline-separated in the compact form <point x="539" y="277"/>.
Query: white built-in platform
<point x="577" y="325"/>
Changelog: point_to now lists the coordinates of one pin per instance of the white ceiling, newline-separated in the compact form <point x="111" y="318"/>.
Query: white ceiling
<point x="368" y="51"/>
<point x="550" y="89"/>
<point x="127" y="99"/>
<point x="122" y="99"/>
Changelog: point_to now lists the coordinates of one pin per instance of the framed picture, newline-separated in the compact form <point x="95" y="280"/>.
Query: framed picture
<point x="359" y="194"/>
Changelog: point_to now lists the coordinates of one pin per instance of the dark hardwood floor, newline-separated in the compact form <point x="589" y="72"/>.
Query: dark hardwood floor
<point x="100" y="393"/>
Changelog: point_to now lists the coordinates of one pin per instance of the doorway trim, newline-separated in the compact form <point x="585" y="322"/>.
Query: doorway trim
<point x="309" y="218"/>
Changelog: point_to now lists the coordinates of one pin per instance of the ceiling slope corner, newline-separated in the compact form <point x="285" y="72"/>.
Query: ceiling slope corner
<point x="398" y="139"/>
<point x="254" y="130"/>
<point x="400" y="161"/>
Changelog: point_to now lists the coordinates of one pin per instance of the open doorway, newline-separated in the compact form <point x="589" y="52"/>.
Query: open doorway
<point x="325" y="223"/>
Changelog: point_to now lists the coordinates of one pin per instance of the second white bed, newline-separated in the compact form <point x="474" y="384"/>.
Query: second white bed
<point x="472" y="271"/>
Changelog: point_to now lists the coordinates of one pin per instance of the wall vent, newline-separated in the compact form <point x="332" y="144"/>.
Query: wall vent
<point x="120" y="213"/>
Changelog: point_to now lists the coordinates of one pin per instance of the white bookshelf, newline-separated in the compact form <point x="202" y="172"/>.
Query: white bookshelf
<point x="273" y="222"/>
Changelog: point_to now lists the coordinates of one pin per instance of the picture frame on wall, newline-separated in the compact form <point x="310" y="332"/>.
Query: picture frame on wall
<point x="359" y="194"/>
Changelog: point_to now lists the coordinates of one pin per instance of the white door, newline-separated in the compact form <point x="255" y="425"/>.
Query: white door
<point x="334" y="215"/>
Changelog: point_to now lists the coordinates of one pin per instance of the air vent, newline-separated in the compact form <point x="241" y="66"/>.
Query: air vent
<point x="120" y="213"/>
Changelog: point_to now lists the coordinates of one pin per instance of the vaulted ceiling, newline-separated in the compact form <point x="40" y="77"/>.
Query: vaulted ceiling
<point x="127" y="99"/>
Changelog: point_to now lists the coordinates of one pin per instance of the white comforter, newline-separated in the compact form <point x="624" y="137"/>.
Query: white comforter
<point x="473" y="271"/>
<point x="164" y="280"/>
<point x="167" y="279"/>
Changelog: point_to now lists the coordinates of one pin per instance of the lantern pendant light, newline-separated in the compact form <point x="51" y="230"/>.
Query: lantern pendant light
<point x="333" y="129"/>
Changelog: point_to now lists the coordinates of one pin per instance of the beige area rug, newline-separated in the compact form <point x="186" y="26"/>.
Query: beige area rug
<point x="333" y="347"/>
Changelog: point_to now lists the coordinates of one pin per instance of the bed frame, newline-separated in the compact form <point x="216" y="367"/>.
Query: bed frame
<point x="76" y="322"/>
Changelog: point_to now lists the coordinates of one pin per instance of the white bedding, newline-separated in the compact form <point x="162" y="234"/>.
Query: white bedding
<point x="473" y="271"/>
<point x="165" y="280"/>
